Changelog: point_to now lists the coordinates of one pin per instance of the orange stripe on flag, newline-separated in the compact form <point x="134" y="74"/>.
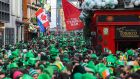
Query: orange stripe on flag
<point x="105" y="73"/>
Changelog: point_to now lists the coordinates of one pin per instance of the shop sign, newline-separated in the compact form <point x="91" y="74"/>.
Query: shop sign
<point x="128" y="32"/>
<point x="118" y="18"/>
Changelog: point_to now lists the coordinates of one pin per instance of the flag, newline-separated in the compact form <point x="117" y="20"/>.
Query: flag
<point x="42" y="19"/>
<point x="42" y="28"/>
<point x="105" y="73"/>
<point x="71" y="14"/>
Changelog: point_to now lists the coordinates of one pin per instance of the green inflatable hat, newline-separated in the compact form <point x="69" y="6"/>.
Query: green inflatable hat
<point x="44" y="76"/>
<point x="135" y="68"/>
<point x="94" y="56"/>
<point x="7" y="78"/>
<point x="111" y="58"/>
<point x="77" y="76"/>
<point x="31" y="61"/>
<point x="119" y="62"/>
<point x="66" y="59"/>
<point x="26" y="76"/>
<point x="91" y="65"/>
<point x="52" y="46"/>
<point x="30" y="54"/>
<point x="99" y="66"/>
<point x="49" y="70"/>
<point x="12" y="65"/>
<point x="15" y="53"/>
<point x="130" y="52"/>
<point x="85" y="50"/>
<point x="54" y="51"/>
<point x="88" y="76"/>
<point x="118" y="52"/>
<point x="41" y="66"/>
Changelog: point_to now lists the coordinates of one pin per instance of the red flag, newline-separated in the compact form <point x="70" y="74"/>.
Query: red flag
<point x="71" y="14"/>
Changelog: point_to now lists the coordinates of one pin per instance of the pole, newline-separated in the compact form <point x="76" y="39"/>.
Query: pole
<point x="21" y="32"/>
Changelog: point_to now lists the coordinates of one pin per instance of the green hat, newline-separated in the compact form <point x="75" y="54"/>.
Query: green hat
<point x="94" y="56"/>
<point x="52" y="46"/>
<point x="111" y="58"/>
<point x="130" y="52"/>
<point x="7" y="78"/>
<point x="109" y="64"/>
<point x="77" y="76"/>
<point x="49" y="70"/>
<point x="12" y="65"/>
<point x="32" y="72"/>
<point x="44" y="76"/>
<point x="30" y="54"/>
<point x="15" y="53"/>
<point x="118" y="52"/>
<point x="119" y="62"/>
<point x="26" y="76"/>
<point x="85" y="50"/>
<point x="135" y="68"/>
<point x="66" y="59"/>
<point x="88" y="76"/>
<point x="54" y="51"/>
<point x="91" y="65"/>
<point x="42" y="66"/>
<point x="99" y="66"/>
<point x="112" y="77"/>
<point x="31" y="61"/>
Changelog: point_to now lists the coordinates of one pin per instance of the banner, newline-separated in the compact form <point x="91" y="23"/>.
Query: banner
<point x="71" y="14"/>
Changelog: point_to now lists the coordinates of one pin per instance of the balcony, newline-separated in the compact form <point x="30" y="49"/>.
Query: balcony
<point x="5" y="1"/>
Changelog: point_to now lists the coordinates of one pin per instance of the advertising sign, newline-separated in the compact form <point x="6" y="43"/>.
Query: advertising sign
<point x="128" y="32"/>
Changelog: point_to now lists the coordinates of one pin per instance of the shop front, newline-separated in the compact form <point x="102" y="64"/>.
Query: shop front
<point x="118" y="29"/>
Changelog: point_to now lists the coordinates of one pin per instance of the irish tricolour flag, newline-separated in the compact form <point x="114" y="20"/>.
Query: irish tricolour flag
<point x="105" y="73"/>
<point x="42" y="19"/>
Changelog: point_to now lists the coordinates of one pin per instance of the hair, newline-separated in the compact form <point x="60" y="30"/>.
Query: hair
<point x="78" y="69"/>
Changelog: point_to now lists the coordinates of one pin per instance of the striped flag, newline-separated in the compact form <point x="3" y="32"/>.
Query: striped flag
<point x="105" y="73"/>
<point x="60" y="65"/>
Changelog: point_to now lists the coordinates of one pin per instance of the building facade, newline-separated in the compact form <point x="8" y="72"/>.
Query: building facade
<point x="14" y="28"/>
<point x="4" y="18"/>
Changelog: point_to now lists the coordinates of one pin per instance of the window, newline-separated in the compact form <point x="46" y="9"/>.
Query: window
<point x="9" y="36"/>
<point x="0" y="16"/>
<point x="0" y="5"/>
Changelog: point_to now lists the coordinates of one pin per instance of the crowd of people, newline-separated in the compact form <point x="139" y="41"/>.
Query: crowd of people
<point x="66" y="56"/>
